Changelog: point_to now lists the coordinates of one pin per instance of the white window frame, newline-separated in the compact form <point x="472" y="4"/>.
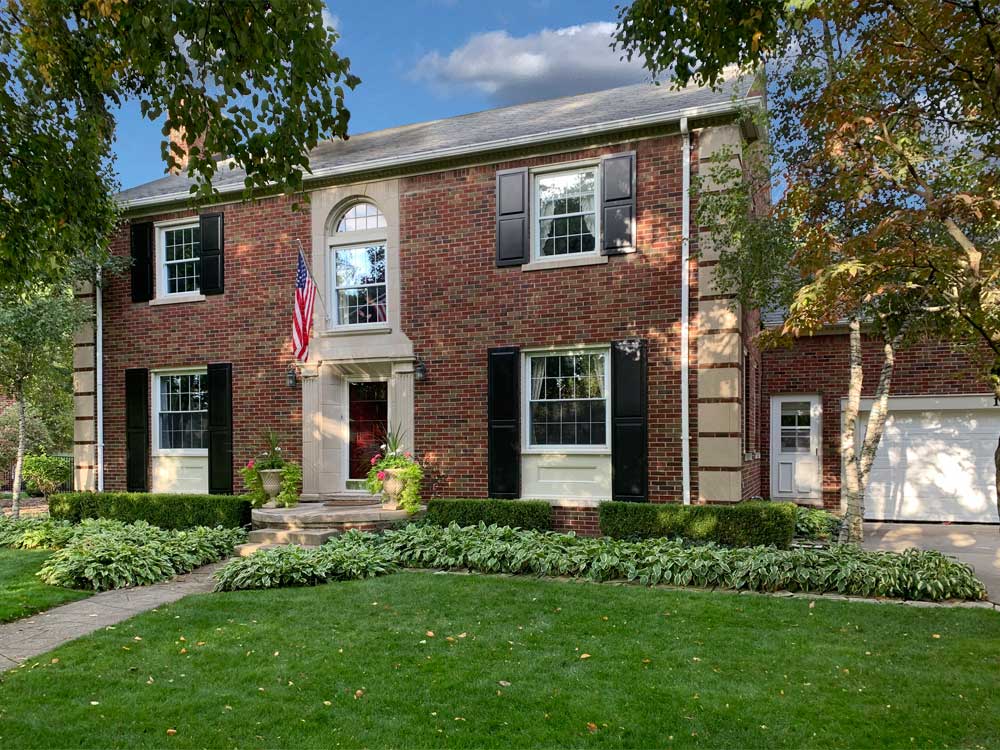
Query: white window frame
<point x="536" y="214"/>
<point x="347" y="241"/>
<point x="155" y="409"/>
<point x="161" y="228"/>
<point x="528" y="446"/>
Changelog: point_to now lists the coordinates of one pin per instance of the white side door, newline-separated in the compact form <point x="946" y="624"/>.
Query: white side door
<point x="796" y="460"/>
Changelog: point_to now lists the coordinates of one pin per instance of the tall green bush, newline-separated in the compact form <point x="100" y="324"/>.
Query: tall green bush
<point x="747" y="524"/>
<point x="167" y="511"/>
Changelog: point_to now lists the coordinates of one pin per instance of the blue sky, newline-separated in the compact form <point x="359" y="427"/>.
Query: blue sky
<point x="425" y="59"/>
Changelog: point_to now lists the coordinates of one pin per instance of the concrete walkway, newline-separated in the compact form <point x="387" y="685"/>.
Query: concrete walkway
<point x="23" y="639"/>
<point x="974" y="544"/>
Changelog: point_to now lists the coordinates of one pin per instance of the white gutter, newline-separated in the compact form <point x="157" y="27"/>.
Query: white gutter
<point x="658" y="118"/>
<point x="685" y="302"/>
<point x="99" y="383"/>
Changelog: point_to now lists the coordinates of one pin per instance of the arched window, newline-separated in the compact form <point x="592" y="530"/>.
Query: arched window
<point x="358" y="266"/>
<point x="360" y="217"/>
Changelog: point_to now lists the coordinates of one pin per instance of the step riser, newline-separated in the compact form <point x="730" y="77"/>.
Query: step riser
<point x="305" y="538"/>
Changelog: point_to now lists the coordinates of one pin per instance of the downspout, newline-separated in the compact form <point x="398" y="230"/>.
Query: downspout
<point x="685" y="303"/>
<point x="99" y="382"/>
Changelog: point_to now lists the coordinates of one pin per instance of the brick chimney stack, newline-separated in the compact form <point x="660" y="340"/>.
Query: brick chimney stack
<point x="179" y="137"/>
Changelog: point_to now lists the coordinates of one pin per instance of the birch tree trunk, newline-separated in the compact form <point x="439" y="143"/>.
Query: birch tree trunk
<point x="996" y="453"/>
<point x="852" y="530"/>
<point x="15" y="490"/>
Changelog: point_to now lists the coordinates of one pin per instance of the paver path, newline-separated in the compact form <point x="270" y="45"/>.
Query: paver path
<point x="22" y="639"/>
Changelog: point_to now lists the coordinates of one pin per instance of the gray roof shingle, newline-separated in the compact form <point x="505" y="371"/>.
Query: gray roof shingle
<point x="507" y="127"/>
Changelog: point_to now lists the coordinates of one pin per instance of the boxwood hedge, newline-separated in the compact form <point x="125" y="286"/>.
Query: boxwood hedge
<point x="168" y="511"/>
<point x="748" y="524"/>
<point x="522" y="514"/>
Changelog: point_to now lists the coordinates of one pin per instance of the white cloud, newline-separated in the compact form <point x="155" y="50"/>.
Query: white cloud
<point x="331" y="20"/>
<point x="550" y="63"/>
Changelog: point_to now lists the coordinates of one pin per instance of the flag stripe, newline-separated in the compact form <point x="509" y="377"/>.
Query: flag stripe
<point x="305" y="298"/>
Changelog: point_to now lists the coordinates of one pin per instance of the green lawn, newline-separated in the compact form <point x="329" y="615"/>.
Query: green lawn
<point x="21" y="593"/>
<point x="353" y="665"/>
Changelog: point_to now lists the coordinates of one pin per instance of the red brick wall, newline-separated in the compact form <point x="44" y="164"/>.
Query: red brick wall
<point x="249" y="326"/>
<point x="457" y="304"/>
<point x="818" y="365"/>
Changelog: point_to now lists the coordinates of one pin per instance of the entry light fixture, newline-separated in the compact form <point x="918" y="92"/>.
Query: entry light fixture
<point x="291" y="377"/>
<point x="419" y="371"/>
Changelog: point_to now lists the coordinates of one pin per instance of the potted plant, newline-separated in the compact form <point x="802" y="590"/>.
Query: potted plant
<point x="270" y="477"/>
<point x="396" y="475"/>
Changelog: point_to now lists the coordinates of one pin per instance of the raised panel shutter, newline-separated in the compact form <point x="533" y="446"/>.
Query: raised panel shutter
<point x="504" y="424"/>
<point x="212" y="255"/>
<point x="512" y="217"/>
<point x="137" y="430"/>
<point x="629" y="445"/>
<point x="618" y="203"/>
<point x="220" y="429"/>
<point x="141" y="238"/>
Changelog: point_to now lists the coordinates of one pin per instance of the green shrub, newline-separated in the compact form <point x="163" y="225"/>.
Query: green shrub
<point x="347" y="557"/>
<point x="747" y="524"/>
<point x="523" y="514"/>
<point x="46" y="474"/>
<point x="162" y="510"/>
<point x="843" y="569"/>
<point x="34" y="532"/>
<point x="815" y="524"/>
<point x="104" y="554"/>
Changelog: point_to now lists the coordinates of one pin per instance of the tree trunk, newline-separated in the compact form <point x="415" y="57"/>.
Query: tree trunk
<point x="852" y="530"/>
<point x="15" y="490"/>
<point x="996" y="453"/>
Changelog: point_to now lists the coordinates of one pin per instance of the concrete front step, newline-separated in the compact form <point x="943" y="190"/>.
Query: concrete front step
<point x="302" y="537"/>
<point x="322" y="517"/>
<point x="245" y="550"/>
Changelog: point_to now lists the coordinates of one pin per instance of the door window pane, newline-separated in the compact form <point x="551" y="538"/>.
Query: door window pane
<point x="796" y="427"/>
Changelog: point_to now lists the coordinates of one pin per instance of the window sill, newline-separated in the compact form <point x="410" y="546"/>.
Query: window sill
<point x="570" y="450"/>
<point x="177" y="299"/>
<point x="566" y="262"/>
<point x="181" y="453"/>
<point x="357" y="330"/>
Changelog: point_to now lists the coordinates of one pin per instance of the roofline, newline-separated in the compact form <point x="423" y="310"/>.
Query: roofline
<point x="547" y="136"/>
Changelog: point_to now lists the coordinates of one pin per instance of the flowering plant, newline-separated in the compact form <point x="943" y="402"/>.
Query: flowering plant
<point x="271" y="458"/>
<point x="404" y="466"/>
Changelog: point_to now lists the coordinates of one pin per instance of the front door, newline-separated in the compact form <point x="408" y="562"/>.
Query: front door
<point x="795" y="448"/>
<point x="368" y="407"/>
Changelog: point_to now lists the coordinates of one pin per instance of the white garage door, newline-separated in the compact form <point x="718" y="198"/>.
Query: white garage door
<point x="935" y="465"/>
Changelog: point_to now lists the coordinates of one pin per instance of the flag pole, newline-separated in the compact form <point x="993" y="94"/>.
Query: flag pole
<point x="315" y="283"/>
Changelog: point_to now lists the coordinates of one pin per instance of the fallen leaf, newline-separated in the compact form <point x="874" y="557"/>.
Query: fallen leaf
<point x="183" y="651"/>
<point x="591" y="727"/>
<point x="327" y="703"/>
<point x="171" y="732"/>
<point x="462" y="635"/>
<point x="584" y="656"/>
<point x="54" y="661"/>
<point x="200" y="643"/>
<point x="936" y="635"/>
<point x="358" y="694"/>
<point x="812" y="605"/>
<point x="95" y="703"/>
<point x="430" y="633"/>
<point x="503" y="683"/>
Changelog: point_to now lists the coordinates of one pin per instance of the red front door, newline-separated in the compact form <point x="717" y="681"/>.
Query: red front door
<point x="368" y="409"/>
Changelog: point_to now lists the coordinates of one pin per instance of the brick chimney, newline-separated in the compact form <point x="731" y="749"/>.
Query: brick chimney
<point x="179" y="137"/>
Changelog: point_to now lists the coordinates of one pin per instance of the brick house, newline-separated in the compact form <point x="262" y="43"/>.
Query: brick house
<point x="521" y="292"/>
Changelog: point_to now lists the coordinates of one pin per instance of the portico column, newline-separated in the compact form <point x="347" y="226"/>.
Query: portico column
<point x="312" y="433"/>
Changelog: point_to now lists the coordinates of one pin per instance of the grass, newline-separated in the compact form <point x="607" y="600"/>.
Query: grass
<point x="21" y="593"/>
<point x="354" y="664"/>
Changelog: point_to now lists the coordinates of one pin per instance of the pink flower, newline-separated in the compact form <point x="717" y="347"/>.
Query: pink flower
<point x="381" y="476"/>
<point x="408" y="454"/>
<point x="374" y="460"/>
<point x="250" y="464"/>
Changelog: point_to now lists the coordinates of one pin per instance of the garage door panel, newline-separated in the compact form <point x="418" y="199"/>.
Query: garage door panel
<point x="935" y="466"/>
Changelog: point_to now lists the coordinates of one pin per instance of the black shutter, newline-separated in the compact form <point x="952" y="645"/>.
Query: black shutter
<point x="629" y="447"/>
<point x="212" y="256"/>
<point x="512" y="217"/>
<point x="136" y="430"/>
<point x="618" y="203"/>
<point x="220" y="429"/>
<point x="142" y="261"/>
<point x="503" y="411"/>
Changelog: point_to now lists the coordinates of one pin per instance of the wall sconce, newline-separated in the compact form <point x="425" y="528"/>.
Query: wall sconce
<point x="419" y="371"/>
<point x="291" y="377"/>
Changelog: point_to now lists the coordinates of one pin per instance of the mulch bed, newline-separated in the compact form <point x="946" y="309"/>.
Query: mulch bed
<point x="30" y="506"/>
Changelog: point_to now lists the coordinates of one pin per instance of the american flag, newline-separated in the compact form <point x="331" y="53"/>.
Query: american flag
<point x="305" y="296"/>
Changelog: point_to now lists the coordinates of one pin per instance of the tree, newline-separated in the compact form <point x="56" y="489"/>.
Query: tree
<point x="256" y="82"/>
<point x="35" y="329"/>
<point x="884" y="130"/>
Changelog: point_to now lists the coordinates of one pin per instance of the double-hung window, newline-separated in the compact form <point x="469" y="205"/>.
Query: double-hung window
<point x="178" y="248"/>
<point x="358" y="267"/>
<point x="567" y="399"/>
<point x="182" y="412"/>
<point x="566" y="215"/>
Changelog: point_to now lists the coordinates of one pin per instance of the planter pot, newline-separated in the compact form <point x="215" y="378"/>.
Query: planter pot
<point x="392" y="488"/>
<point x="270" y="479"/>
